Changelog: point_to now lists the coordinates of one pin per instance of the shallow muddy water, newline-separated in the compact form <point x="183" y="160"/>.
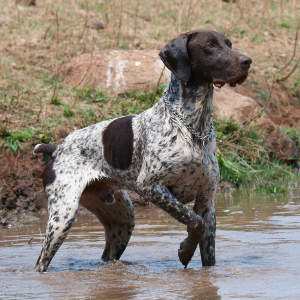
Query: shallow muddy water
<point x="257" y="251"/>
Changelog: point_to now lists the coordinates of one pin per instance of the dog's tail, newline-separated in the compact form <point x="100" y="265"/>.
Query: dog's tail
<point x="45" y="149"/>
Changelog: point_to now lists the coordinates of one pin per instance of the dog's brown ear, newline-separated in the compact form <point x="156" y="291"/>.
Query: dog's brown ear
<point x="175" y="57"/>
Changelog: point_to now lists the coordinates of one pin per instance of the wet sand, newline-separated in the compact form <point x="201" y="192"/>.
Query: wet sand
<point x="257" y="251"/>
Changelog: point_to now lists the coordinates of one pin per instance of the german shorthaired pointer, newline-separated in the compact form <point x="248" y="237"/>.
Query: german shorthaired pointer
<point x="167" y="154"/>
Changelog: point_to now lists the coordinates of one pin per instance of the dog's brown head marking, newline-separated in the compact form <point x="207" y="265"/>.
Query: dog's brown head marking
<point x="205" y="56"/>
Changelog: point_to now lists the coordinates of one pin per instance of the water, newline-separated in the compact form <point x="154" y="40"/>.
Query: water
<point x="257" y="251"/>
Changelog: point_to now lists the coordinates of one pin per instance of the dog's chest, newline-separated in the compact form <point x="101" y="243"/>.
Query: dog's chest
<point x="196" y="178"/>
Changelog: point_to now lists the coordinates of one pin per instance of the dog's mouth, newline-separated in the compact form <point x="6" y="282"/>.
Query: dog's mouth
<point x="232" y="83"/>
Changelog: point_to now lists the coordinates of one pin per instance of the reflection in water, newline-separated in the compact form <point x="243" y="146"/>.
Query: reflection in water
<point x="257" y="251"/>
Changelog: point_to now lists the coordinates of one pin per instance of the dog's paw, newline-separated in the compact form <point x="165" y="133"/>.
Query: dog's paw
<point x="187" y="249"/>
<point x="189" y="245"/>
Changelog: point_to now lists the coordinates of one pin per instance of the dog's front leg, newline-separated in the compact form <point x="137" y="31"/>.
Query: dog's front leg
<point x="161" y="197"/>
<point x="205" y="208"/>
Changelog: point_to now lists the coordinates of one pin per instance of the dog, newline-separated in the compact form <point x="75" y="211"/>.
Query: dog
<point x="167" y="154"/>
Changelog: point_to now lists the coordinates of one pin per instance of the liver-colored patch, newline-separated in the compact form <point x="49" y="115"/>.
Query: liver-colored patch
<point x="48" y="174"/>
<point x="118" y="143"/>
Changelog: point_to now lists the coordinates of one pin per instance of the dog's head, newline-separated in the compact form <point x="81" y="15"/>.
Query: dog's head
<point x="205" y="56"/>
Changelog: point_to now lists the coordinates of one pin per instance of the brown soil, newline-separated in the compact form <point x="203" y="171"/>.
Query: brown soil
<point x="20" y="179"/>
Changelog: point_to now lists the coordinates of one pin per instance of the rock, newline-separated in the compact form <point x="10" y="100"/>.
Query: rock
<point x="116" y="71"/>
<point x="281" y="145"/>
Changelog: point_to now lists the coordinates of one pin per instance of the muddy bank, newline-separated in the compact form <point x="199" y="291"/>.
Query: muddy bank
<point x="20" y="183"/>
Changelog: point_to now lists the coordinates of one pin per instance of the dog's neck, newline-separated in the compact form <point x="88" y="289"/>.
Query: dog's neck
<point x="193" y="103"/>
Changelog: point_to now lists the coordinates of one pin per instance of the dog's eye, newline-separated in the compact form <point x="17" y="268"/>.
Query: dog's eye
<point x="212" y="45"/>
<point x="229" y="44"/>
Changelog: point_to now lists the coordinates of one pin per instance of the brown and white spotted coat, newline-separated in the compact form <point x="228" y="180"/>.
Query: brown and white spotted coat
<point x="153" y="154"/>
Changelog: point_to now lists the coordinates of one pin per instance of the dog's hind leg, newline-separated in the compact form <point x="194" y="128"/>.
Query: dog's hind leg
<point x="118" y="230"/>
<point x="114" y="209"/>
<point x="63" y="201"/>
<point x="206" y="210"/>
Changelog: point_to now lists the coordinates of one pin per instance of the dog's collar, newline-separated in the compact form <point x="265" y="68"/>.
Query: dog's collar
<point x="189" y="128"/>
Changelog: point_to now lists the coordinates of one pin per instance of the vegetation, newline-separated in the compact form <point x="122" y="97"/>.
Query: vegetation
<point x="293" y="133"/>
<point x="34" y="106"/>
<point x="244" y="162"/>
<point x="12" y="140"/>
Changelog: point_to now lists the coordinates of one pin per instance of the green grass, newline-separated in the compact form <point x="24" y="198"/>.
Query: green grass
<point x="90" y="95"/>
<point x="263" y="95"/>
<point x="245" y="163"/>
<point x="68" y="112"/>
<point x="12" y="140"/>
<point x="296" y="87"/>
<point x="293" y="133"/>
<point x="285" y="25"/>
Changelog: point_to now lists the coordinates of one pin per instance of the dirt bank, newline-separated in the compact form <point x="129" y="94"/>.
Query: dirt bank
<point x="20" y="182"/>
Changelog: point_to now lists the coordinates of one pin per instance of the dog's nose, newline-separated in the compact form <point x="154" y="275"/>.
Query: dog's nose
<point x="245" y="61"/>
